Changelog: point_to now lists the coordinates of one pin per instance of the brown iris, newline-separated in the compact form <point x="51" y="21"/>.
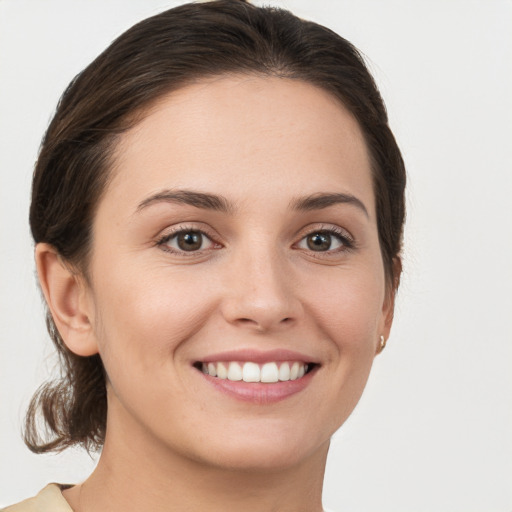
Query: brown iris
<point x="319" y="241"/>
<point x="189" y="240"/>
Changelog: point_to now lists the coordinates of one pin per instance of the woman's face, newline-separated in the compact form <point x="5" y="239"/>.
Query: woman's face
<point x="238" y="237"/>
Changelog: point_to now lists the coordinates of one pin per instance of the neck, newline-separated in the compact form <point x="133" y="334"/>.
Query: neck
<point x="139" y="476"/>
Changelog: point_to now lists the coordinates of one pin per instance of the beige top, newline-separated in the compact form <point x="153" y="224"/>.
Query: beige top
<point x="50" y="499"/>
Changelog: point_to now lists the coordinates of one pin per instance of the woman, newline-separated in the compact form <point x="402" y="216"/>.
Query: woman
<point x="217" y="210"/>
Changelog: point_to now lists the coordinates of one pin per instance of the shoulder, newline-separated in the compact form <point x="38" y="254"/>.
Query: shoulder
<point x="50" y="499"/>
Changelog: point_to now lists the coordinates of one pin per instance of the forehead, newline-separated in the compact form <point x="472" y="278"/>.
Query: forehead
<point x="237" y="134"/>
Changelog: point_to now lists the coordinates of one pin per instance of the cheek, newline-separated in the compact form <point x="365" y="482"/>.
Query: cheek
<point x="348" y="310"/>
<point x="348" y="305"/>
<point x="141" y="321"/>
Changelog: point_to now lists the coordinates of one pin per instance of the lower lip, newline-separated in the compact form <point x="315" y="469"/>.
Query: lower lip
<point x="260" y="392"/>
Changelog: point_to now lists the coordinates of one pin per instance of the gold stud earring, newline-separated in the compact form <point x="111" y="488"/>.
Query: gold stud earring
<point x="382" y="344"/>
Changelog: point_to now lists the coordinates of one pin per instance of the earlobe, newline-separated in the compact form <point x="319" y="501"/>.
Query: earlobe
<point x="64" y="291"/>
<point x="388" y="308"/>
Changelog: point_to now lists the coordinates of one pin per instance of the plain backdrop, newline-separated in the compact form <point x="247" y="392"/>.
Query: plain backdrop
<point x="433" y="429"/>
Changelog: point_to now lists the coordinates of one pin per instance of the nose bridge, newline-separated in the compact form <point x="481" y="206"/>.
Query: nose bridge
<point x="261" y="293"/>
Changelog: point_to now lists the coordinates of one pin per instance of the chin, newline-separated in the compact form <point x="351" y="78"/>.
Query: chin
<point x="266" y="449"/>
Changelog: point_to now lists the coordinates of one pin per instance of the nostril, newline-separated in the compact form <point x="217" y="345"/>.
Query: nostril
<point x="263" y="322"/>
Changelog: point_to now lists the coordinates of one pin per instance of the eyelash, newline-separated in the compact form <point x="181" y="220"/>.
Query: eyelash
<point x="348" y="243"/>
<point x="165" y="239"/>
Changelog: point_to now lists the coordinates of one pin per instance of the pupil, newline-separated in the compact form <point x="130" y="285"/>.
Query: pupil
<point x="319" y="242"/>
<point x="190" y="241"/>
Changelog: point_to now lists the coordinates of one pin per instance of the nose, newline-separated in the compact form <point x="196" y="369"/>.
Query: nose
<point x="260" y="294"/>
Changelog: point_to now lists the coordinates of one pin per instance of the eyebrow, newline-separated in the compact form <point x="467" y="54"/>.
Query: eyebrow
<point x="321" y="200"/>
<point x="192" y="198"/>
<point x="219" y="203"/>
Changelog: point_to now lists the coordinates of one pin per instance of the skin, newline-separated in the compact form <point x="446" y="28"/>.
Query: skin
<point x="174" y="442"/>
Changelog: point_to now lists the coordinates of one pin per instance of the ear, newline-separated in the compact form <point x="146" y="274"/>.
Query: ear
<point x="388" y="307"/>
<point x="68" y="299"/>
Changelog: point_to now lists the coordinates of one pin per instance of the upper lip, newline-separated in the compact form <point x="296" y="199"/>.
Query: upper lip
<point x="258" y="356"/>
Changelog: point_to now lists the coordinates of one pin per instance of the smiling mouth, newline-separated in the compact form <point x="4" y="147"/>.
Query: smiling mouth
<point x="270" y="372"/>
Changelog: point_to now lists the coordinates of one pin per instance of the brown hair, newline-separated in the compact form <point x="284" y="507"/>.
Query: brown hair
<point x="158" y="55"/>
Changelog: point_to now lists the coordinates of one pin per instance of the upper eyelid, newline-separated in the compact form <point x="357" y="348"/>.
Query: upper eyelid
<point x="323" y="227"/>
<point x="180" y="228"/>
<point x="170" y="233"/>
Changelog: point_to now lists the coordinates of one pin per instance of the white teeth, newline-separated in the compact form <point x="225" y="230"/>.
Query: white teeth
<point x="284" y="372"/>
<point x="222" y="371"/>
<point x="252" y="372"/>
<point x="235" y="371"/>
<point x="212" y="370"/>
<point x="294" y="371"/>
<point x="269" y="372"/>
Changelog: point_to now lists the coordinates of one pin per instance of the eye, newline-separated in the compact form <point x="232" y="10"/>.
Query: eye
<point x="186" y="240"/>
<point x="325" y="240"/>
